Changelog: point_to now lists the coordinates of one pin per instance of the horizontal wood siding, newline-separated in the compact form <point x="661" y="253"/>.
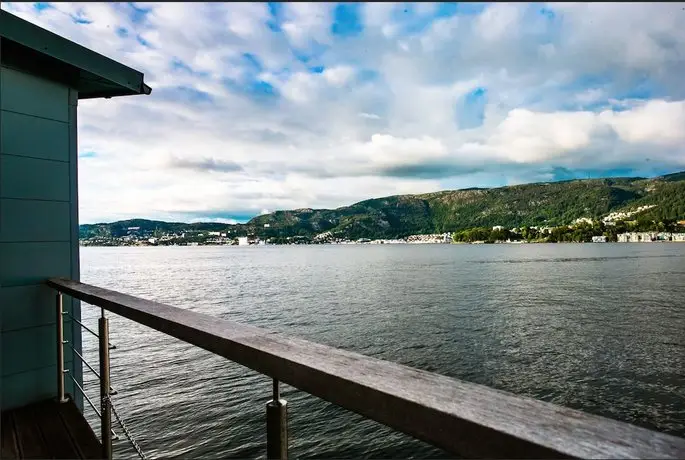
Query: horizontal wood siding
<point x="18" y="137"/>
<point x="21" y="389"/>
<point x="20" y="353"/>
<point x="36" y="234"/>
<point x="33" y="179"/>
<point x="31" y="95"/>
<point x="22" y="307"/>
<point x="74" y="305"/>
<point x="34" y="221"/>
<point x="32" y="263"/>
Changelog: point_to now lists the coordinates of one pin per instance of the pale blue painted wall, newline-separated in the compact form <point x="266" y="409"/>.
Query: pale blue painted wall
<point x="38" y="233"/>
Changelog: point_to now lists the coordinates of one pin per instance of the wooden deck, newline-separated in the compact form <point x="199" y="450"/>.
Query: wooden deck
<point x="48" y="430"/>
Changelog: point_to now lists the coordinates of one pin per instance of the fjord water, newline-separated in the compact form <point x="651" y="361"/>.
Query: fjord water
<point x="598" y="327"/>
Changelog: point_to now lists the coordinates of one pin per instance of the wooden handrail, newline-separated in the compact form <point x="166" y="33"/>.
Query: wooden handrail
<point x="463" y="418"/>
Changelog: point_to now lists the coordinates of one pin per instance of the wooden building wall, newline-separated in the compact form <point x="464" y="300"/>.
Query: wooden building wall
<point x="38" y="232"/>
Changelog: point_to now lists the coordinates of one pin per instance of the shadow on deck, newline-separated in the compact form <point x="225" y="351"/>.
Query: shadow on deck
<point x="48" y="429"/>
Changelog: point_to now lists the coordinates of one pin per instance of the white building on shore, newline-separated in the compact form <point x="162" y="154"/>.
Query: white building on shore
<point x="648" y="237"/>
<point x="636" y="237"/>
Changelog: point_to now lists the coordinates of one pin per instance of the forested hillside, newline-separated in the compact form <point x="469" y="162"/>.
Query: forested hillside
<point x="547" y="204"/>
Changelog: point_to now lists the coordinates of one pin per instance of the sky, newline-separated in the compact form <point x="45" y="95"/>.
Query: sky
<point x="257" y="107"/>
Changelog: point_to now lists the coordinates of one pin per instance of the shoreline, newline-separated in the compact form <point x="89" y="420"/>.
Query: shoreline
<point x="371" y="244"/>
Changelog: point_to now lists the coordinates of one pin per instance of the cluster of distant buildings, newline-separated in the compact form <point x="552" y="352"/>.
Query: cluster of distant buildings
<point x="648" y="237"/>
<point x="136" y="237"/>
<point x="430" y="239"/>
<point x="614" y="217"/>
<point x="436" y="238"/>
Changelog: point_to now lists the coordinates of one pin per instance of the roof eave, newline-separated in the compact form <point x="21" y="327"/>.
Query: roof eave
<point x="127" y="81"/>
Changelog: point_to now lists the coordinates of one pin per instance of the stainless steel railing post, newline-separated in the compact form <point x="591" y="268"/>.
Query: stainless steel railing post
<point x="60" y="348"/>
<point x="105" y="405"/>
<point x="276" y="426"/>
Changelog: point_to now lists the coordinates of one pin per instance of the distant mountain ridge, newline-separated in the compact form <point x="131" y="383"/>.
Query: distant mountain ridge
<point x="544" y="203"/>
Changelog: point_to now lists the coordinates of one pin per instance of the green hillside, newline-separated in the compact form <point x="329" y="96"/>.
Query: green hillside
<point x="548" y="204"/>
<point x="120" y="228"/>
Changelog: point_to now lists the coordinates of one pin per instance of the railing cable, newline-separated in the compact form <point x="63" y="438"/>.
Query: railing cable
<point x="83" y="393"/>
<point x="111" y="347"/>
<point x="125" y="429"/>
<point x="112" y="391"/>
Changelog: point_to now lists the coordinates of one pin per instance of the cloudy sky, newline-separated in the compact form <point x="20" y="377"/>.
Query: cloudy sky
<point x="263" y="106"/>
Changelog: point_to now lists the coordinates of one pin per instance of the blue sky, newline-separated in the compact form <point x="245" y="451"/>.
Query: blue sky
<point x="265" y="106"/>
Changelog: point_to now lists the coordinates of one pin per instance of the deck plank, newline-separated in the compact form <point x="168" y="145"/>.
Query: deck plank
<point x="9" y="448"/>
<point x="30" y="440"/>
<point x="54" y="431"/>
<point x="80" y="431"/>
<point x="48" y="429"/>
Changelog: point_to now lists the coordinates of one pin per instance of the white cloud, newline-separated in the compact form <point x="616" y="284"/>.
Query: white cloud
<point x="498" y="21"/>
<point x="532" y="137"/>
<point x="656" y="122"/>
<point x="307" y="21"/>
<point x="589" y="96"/>
<point x="301" y="87"/>
<point x="386" y="150"/>
<point x="529" y="137"/>
<point x="218" y="220"/>
<point x="240" y="122"/>
<point x="338" y="76"/>
<point x="377" y="14"/>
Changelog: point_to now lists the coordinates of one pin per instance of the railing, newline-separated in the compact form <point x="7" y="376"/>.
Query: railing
<point x="107" y="433"/>
<point x="465" y="419"/>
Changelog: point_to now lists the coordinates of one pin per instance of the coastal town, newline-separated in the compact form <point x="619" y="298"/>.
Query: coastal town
<point x="222" y="239"/>
<point x="615" y="227"/>
<point x="211" y="238"/>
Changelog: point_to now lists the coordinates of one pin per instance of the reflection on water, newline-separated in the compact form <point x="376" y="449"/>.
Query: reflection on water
<point x="595" y="327"/>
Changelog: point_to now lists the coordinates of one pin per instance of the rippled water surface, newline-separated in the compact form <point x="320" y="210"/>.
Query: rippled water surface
<point x="595" y="327"/>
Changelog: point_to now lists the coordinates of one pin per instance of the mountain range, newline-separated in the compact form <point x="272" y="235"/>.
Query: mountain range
<point x="543" y="203"/>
